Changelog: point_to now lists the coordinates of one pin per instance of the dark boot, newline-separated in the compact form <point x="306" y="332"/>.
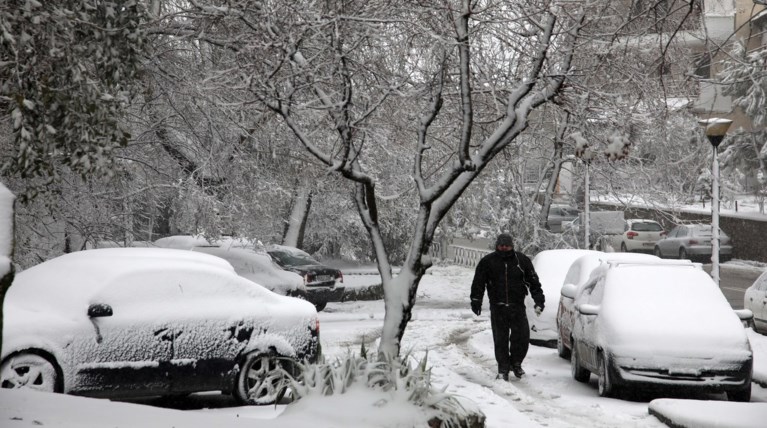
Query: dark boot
<point x="504" y="376"/>
<point x="517" y="369"/>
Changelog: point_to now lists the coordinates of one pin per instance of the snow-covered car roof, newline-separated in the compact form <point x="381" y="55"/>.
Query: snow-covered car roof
<point x="552" y="265"/>
<point x="71" y="277"/>
<point x="182" y="242"/>
<point x="257" y="267"/>
<point x="581" y="268"/>
<point x="680" y="300"/>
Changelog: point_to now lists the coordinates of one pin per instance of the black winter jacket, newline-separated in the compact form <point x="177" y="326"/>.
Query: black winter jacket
<point x="507" y="277"/>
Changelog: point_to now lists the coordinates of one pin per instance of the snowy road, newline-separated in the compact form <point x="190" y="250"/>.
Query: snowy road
<point x="460" y="352"/>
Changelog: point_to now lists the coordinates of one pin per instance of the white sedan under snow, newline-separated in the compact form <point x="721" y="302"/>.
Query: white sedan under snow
<point x="551" y="267"/>
<point x="660" y="325"/>
<point x="149" y="321"/>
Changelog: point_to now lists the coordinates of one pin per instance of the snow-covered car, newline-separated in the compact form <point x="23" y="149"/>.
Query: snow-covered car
<point x="574" y="280"/>
<point x="659" y="325"/>
<point x="755" y="299"/>
<point x="639" y="236"/>
<point x="248" y="262"/>
<point x="693" y="241"/>
<point x="127" y="322"/>
<point x="323" y="283"/>
<point x="551" y="267"/>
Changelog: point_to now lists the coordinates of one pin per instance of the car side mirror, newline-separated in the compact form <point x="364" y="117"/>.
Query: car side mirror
<point x="97" y="310"/>
<point x="588" y="309"/>
<point x="568" y="290"/>
<point x="746" y="317"/>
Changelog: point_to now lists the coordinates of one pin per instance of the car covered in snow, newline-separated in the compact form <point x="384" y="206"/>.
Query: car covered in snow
<point x="659" y="325"/>
<point x="574" y="279"/>
<point x="551" y="267"/>
<point x="128" y="322"/>
<point x="755" y="299"/>
<point x="323" y="283"/>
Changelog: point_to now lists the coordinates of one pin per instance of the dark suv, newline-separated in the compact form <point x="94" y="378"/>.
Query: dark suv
<point x="323" y="283"/>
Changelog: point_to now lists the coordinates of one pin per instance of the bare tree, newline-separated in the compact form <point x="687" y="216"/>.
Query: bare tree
<point x="465" y="77"/>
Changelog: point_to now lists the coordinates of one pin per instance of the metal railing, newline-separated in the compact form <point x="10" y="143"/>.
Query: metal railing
<point x="466" y="256"/>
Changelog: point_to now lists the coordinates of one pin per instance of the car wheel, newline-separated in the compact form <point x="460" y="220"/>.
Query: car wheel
<point x="606" y="387"/>
<point x="741" y="395"/>
<point x="623" y="248"/>
<point x="682" y="253"/>
<point x="320" y="306"/>
<point x="657" y="252"/>
<point x="562" y="351"/>
<point x="261" y="380"/>
<point x="30" y="371"/>
<point x="579" y="373"/>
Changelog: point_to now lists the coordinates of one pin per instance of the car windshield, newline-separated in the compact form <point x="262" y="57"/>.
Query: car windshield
<point x="293" y="258"/>
<point x="646" y="227"/>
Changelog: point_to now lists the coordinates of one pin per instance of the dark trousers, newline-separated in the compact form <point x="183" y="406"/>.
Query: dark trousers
<point x="511" y="335"/>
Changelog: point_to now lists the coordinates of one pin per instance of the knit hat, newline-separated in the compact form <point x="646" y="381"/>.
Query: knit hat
<point x="504" y="239"/>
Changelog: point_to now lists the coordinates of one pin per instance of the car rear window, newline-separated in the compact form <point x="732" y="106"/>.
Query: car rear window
<point x="646" y="227"/>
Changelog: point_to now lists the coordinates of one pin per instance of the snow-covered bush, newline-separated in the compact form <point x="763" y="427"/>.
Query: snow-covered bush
<point x="400" y="380"/>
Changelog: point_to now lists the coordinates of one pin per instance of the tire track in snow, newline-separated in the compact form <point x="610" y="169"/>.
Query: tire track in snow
<point x="540" y="404"/>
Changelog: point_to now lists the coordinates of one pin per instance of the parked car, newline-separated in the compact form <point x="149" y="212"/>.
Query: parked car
<point x="659" y="325"/>
<point x="551" y="267"/>
<point x="559" y="214"/>
<point x="639" y="235"/>
<point x="323" y="283"/>
<point x="129" y="322"/>
<point x="693" y="241"/>
<point x="248" y="262"/>
<point x="755" y="299"/>
<point x="574" y="280"/>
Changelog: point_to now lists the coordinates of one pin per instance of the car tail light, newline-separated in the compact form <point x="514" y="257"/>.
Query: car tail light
<point x="693" y="242"/>
<point x="631" y="234"/>
<point x="308" y="278"/>
<point x="663" y="233"/>
<point x="340" y="276"/>
<point x="316" y="325"/>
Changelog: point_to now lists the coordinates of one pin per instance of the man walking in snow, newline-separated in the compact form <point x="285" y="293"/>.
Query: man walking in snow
<point x="507" y="275"/>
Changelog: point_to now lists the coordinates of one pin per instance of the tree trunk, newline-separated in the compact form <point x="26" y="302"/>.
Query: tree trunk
<point x="556" y="167"/>
<point x="299" y="213"/>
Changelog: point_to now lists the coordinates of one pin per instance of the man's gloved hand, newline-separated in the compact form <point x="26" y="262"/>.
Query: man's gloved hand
<point x="476" y="307"/>
<point x="538" y="310"/>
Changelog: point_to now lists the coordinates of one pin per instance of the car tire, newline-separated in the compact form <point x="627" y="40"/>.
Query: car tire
<point x="623" y="248"/>
<point x="562" y="351"/>
<point x="741" y="395"/>
<point x="656" y="252"/>
<point x="579" y="373"/>
<point x="606" y="385"/>
<point x="682" y="254"/>
<point x="261" y="380"/>
<point x="320" y="306"/>
<point x="30" y="371"/>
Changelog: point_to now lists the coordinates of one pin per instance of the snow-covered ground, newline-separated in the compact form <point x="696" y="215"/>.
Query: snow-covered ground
<point x="460" y="352"/>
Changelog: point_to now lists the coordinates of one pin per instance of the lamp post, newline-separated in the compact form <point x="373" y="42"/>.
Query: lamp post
<point x="587" y="200"/>
<point x="715" y="128"/>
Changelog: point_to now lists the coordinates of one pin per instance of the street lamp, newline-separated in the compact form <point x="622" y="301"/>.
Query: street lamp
<point x="715" y="128"/>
